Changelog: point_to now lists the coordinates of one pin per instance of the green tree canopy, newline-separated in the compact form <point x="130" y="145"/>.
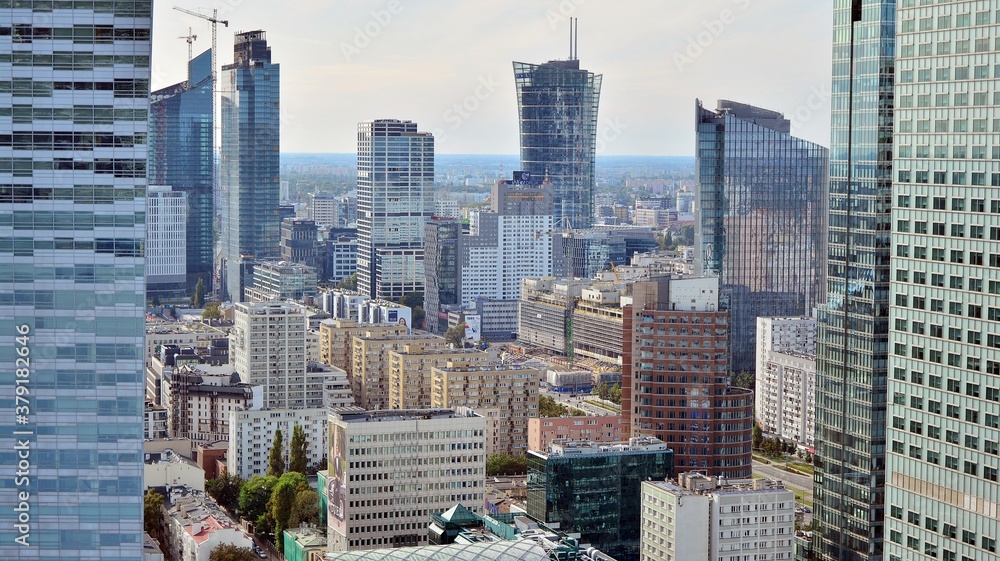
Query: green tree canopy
<point x="298" y="451"/>
<point x="456" y="335"/>
<point x="230" y="552"/>
<point x="254" y="496"/>
<point x="199" y="294"/>
<point x="348" y="283"/>
<point x="211" y="311"/>
<point x="153" y="515"/>
<point x="276" y="460"/>
<point x="305" y="510"/>
<point x="500" y="463"/>
<point x="225" y="489"/>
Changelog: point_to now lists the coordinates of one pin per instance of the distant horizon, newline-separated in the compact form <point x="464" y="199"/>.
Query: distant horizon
<point x="500" y="155"/>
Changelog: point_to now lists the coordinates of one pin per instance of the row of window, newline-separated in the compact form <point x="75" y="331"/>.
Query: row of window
<point x="945" y="21"/>
<point x="942" y="177"/>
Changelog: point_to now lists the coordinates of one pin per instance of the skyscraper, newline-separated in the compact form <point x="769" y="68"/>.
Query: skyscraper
<point x="942" y="461"/>
<point x="166" y="243"/>
<point x="181" y="156"/>
<point x="760" y="217"/>
<point x="72" y="208"/>
<point x="395" y="201"/>
<point x="557" y="113"/>
<point x="442" y="270"/>
<point x="853" y="325"/>
<point x="248" y="168"/>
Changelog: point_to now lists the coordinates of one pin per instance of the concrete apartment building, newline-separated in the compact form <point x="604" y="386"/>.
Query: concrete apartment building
<point x="268" y="347"/>
<point x="370" y="364"/>
<point x="675" y="366"/>
<point x="410" y="372"/>
<point x="251" y="435"/>
<point x="699" y="518"/>
<point x="603" y="429"/>
<point x="506" y="395"/>
<point x="199" y="399"/>
<point x="390" y="470"/>
<point x="786" y="378"/>
<point x="335" y="347"/>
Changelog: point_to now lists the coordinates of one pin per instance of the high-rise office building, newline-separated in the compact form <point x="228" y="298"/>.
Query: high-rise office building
<point x="395" y="201"/>
<point x="248" y="168"/>
<point x="300" y="242"/>
<point x="853" y="326"/>
<point x="181" y="155"/>
<point x="674" y="383"/>
<point x="442" y="270"/>
<point x="166" y="243"/>
<point x="760" y="221"/>
<point x="942" y="497"/>
<point x="72" y="205"/>
<point x="557" y="113"/>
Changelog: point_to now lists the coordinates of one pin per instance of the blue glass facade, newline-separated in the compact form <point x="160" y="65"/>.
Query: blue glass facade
<point x="181" y="156"/>
<point x="248" y="167"/>
<point x="853" y="325"/>
<point x="557" y="113"/>
<point x="74" y="88"/>
<point x="596" y="494"/>
<point x="760" y="217"/>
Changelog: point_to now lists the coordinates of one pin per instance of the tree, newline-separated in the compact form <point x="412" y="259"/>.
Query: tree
<point x="456" y="335"/>
<point x="211" y="311"/>
<point x="225" y="489"/>
<point x="276" y="461"/>
<point x="549" y="407"/>
<point x="415" y="301"/>
<point x="348" y="283"/>
<point x="615" y="394"/>
<point x="230" y="552"/>
<point x="745" y="379"/>
<point x="298" y="451"/>
<point x="305" y="510"/>
<point x="282" y="499"/>
<point x="254" y="496"/>
<point x="199" y="294"/>
<point x="603" y="390"/>
<point x="758" y="436"/>
<point x="156" y="301"/>
<point x="500" y="463"/>
<point x="153" y="515"/>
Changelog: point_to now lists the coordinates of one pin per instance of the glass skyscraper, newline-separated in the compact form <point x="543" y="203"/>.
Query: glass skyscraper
<point x="557" y="113"/>
<point x="395" y="202"/>
<point x="942" y="490"/>
<point x="181" y="156"/>
<point x="760" y="217"/>
<point x="248" y="168"/>
<point x="853" y="325"/>
<point x="74" y="102"/>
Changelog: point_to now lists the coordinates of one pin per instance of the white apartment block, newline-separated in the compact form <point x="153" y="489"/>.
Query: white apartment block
<point x="198" y="525"/>
<point x="700" y="519"/>
<point x="446" y="208"/>
<point x="389" y="470"/>
<point x="268" y="347"/>
<point x="786" y="378"/>
<point x="324" y="209"/>
<point x="251" y="435"/>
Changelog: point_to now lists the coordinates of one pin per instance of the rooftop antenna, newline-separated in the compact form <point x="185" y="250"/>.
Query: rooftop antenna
<point x="576" y="37"/>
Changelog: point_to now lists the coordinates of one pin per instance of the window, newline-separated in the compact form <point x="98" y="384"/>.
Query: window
<point x="949" y="530"/>
<point x="931" y="524"/>
<point x="951" y="462"/>
<point x="969" y="536"/>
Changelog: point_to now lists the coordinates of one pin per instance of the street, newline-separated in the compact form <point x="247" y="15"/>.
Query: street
<point x="803" y="482"/>
<point x="577" y="402"/>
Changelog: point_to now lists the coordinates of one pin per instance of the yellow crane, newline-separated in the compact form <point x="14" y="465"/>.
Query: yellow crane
<point x="615" y="271"/>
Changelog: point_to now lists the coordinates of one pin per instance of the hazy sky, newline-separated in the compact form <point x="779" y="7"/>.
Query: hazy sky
<point x="446" y="64"/>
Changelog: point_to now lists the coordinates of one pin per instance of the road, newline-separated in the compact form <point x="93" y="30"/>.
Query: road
<point x="577" y="402"/>
<point x="803" y="482"/>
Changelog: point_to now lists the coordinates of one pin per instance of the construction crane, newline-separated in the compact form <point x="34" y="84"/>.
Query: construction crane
<point x="191" y="38"/>
<point x="614" y="270"/>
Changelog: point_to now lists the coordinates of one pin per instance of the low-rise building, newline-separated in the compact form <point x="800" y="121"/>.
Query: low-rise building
<point x="595" y="489"/>
<point x="198" y="525"/>
<point x="603" y="429"/>
<point x="300" y="544"/>
<point x="169" y="469"/>
<point x="251" y="435"/>
<point x="700" y="518"/>
<point x="507" y="396"/>
<point x="390" y="470"/>
<point x="154" y="421"/>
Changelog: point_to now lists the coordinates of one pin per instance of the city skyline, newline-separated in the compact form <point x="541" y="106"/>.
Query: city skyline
<point x="644" y="51"/>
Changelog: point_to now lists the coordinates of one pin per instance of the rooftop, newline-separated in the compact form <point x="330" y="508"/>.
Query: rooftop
<point x="641" y="444"/>
<point x="358" y="415"/>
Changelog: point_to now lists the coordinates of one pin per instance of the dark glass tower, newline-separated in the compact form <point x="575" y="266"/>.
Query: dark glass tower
<point x="72" y="294"/>
<point x="442" y="270"/>
<point x="760" y="217"/>
<point x="557" y="112"/>
<point x="854" y="324"/>
<point x="248" y="168"/>
<point x="181" y="156"/>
